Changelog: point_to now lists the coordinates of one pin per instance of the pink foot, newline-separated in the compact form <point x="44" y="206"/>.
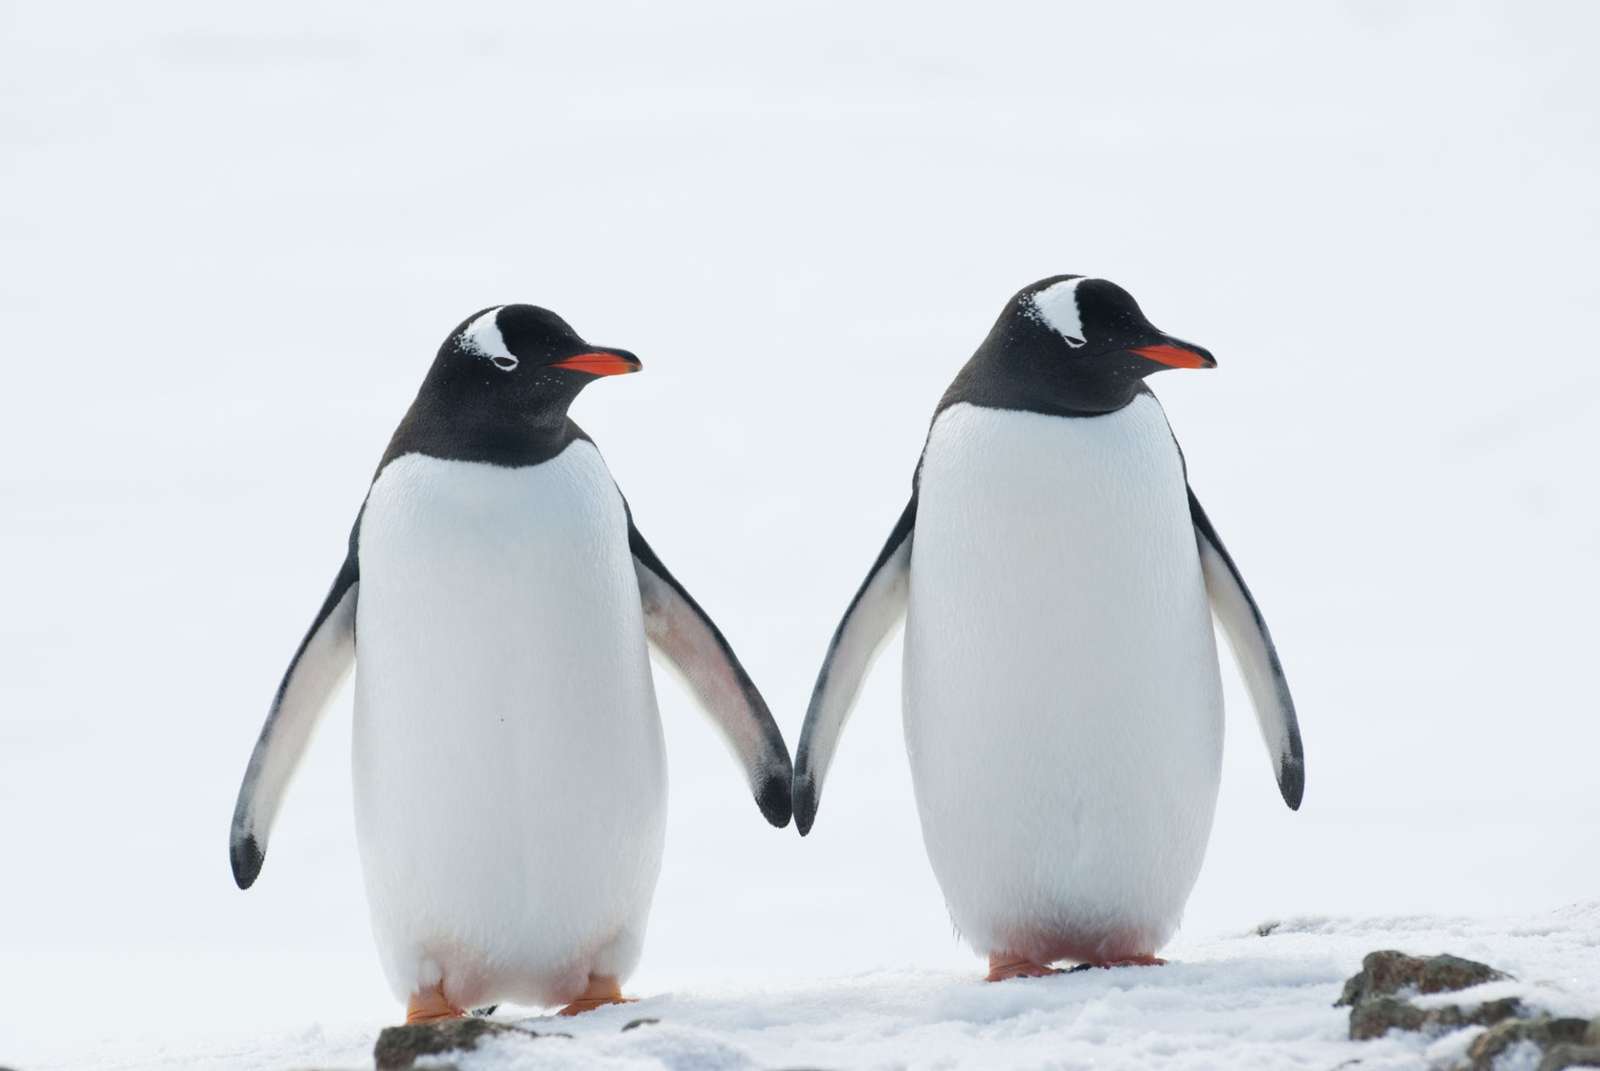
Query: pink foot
<point x="1003" y="966"/>
<point x="432" y="1006"/>
<point x="602" y="990"/>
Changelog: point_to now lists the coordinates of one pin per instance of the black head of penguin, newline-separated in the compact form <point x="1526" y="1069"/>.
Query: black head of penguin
<point x="500" y="386"/>
<point x="521" y="359"/>
<point x="1070" y="345"/>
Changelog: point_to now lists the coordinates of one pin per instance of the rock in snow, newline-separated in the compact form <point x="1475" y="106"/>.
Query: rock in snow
<point x="1500" y="1031"/>
<point x="1541" y="1031"/>
<point x="1242" y="1002"/>
<point x="1560" y="1057"/>
<point x="400" y="1047"/>
<point x="1384" y="973"/>
<point x="1376" y="1016"/>
<point x="1378" y="998"/>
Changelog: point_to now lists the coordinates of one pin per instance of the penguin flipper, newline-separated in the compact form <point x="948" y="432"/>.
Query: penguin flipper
<point x="871" y="618"/>
<point x="689" y="642"/>
<point x="1255" y="654"/>
<point x="319" y="666"/>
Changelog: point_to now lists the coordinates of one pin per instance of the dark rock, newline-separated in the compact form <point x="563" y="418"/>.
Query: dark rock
<point x="1488" y="1013"/>
<point x="1266" y="928"/>
<point x="634" y="1024"/>
<point x="1542" y="1031"/>
<point x="1381" y="973"/>
<point x="1377" y="998"/>
<point x="1447" y="974"/>
<point x="1376" y="1016"/>
<point x="1560" y="1057"/>
<point x="1388" y="972"/>
<point x="400" y="1046"/>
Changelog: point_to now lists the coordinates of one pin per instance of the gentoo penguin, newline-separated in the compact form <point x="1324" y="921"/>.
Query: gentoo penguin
<point x="496" y="598"/>
<point x="1062" y="702"/>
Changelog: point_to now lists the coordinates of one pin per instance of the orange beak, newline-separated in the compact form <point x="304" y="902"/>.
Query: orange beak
<point x="1176" y="356"/>
<point x="601" y="363"/>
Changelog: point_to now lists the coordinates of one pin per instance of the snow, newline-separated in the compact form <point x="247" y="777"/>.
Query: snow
<point x="1240" y="1001"/>
<point x="233" y="239"/>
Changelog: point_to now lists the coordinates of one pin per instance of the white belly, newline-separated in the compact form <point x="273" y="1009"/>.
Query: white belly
<point x="1063" y="710"/>
<point x="510" y="780"/>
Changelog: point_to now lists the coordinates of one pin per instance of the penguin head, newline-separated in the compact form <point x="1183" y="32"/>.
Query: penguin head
<point x="1088" y="340"/>
<point x="522" y="357"/>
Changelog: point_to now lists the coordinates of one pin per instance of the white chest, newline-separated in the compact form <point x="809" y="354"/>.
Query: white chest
<point x="508" y="764"/>
<point x="506" y="575"/>
<point x="1062" y="698"/>
<point x="1073" y="533"/>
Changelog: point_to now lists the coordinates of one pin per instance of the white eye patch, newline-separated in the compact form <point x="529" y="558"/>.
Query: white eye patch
<point x="1057" y="306"/>
<point x="482" y="337"/>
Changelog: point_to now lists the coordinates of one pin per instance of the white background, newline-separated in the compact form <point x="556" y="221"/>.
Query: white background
<point x="233" y="237"/>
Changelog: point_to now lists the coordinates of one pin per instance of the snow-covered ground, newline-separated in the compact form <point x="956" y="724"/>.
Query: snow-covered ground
<point x="231" y="238"/>
<point x="1246" y="1001"/>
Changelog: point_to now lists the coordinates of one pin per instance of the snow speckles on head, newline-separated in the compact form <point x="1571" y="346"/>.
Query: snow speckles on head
<point x="1057" y="306"/>
<point x="482" y="336"/>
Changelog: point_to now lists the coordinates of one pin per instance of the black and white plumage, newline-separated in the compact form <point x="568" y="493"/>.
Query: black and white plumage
<point x="497" y="601"/>
<point x="1062" y="700"/>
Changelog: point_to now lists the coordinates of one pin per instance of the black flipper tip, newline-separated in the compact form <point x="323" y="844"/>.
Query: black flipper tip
<point x="773" y="799"/>
<point x="1292" y="782"/>
<point x="805" y="803"/>
<point x="246" y="856"/>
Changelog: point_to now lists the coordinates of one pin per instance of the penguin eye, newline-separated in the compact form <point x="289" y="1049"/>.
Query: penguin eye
<point x="504" y="361"/>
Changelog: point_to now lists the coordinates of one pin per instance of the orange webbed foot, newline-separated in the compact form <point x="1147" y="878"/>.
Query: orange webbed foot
<point x="601" y="991"/>
<point x="1003" y="966"/>
<point x="432" y="1006"/>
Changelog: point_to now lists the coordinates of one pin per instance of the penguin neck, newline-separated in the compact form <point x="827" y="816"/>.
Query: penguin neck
<point x="487" y="431"/>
